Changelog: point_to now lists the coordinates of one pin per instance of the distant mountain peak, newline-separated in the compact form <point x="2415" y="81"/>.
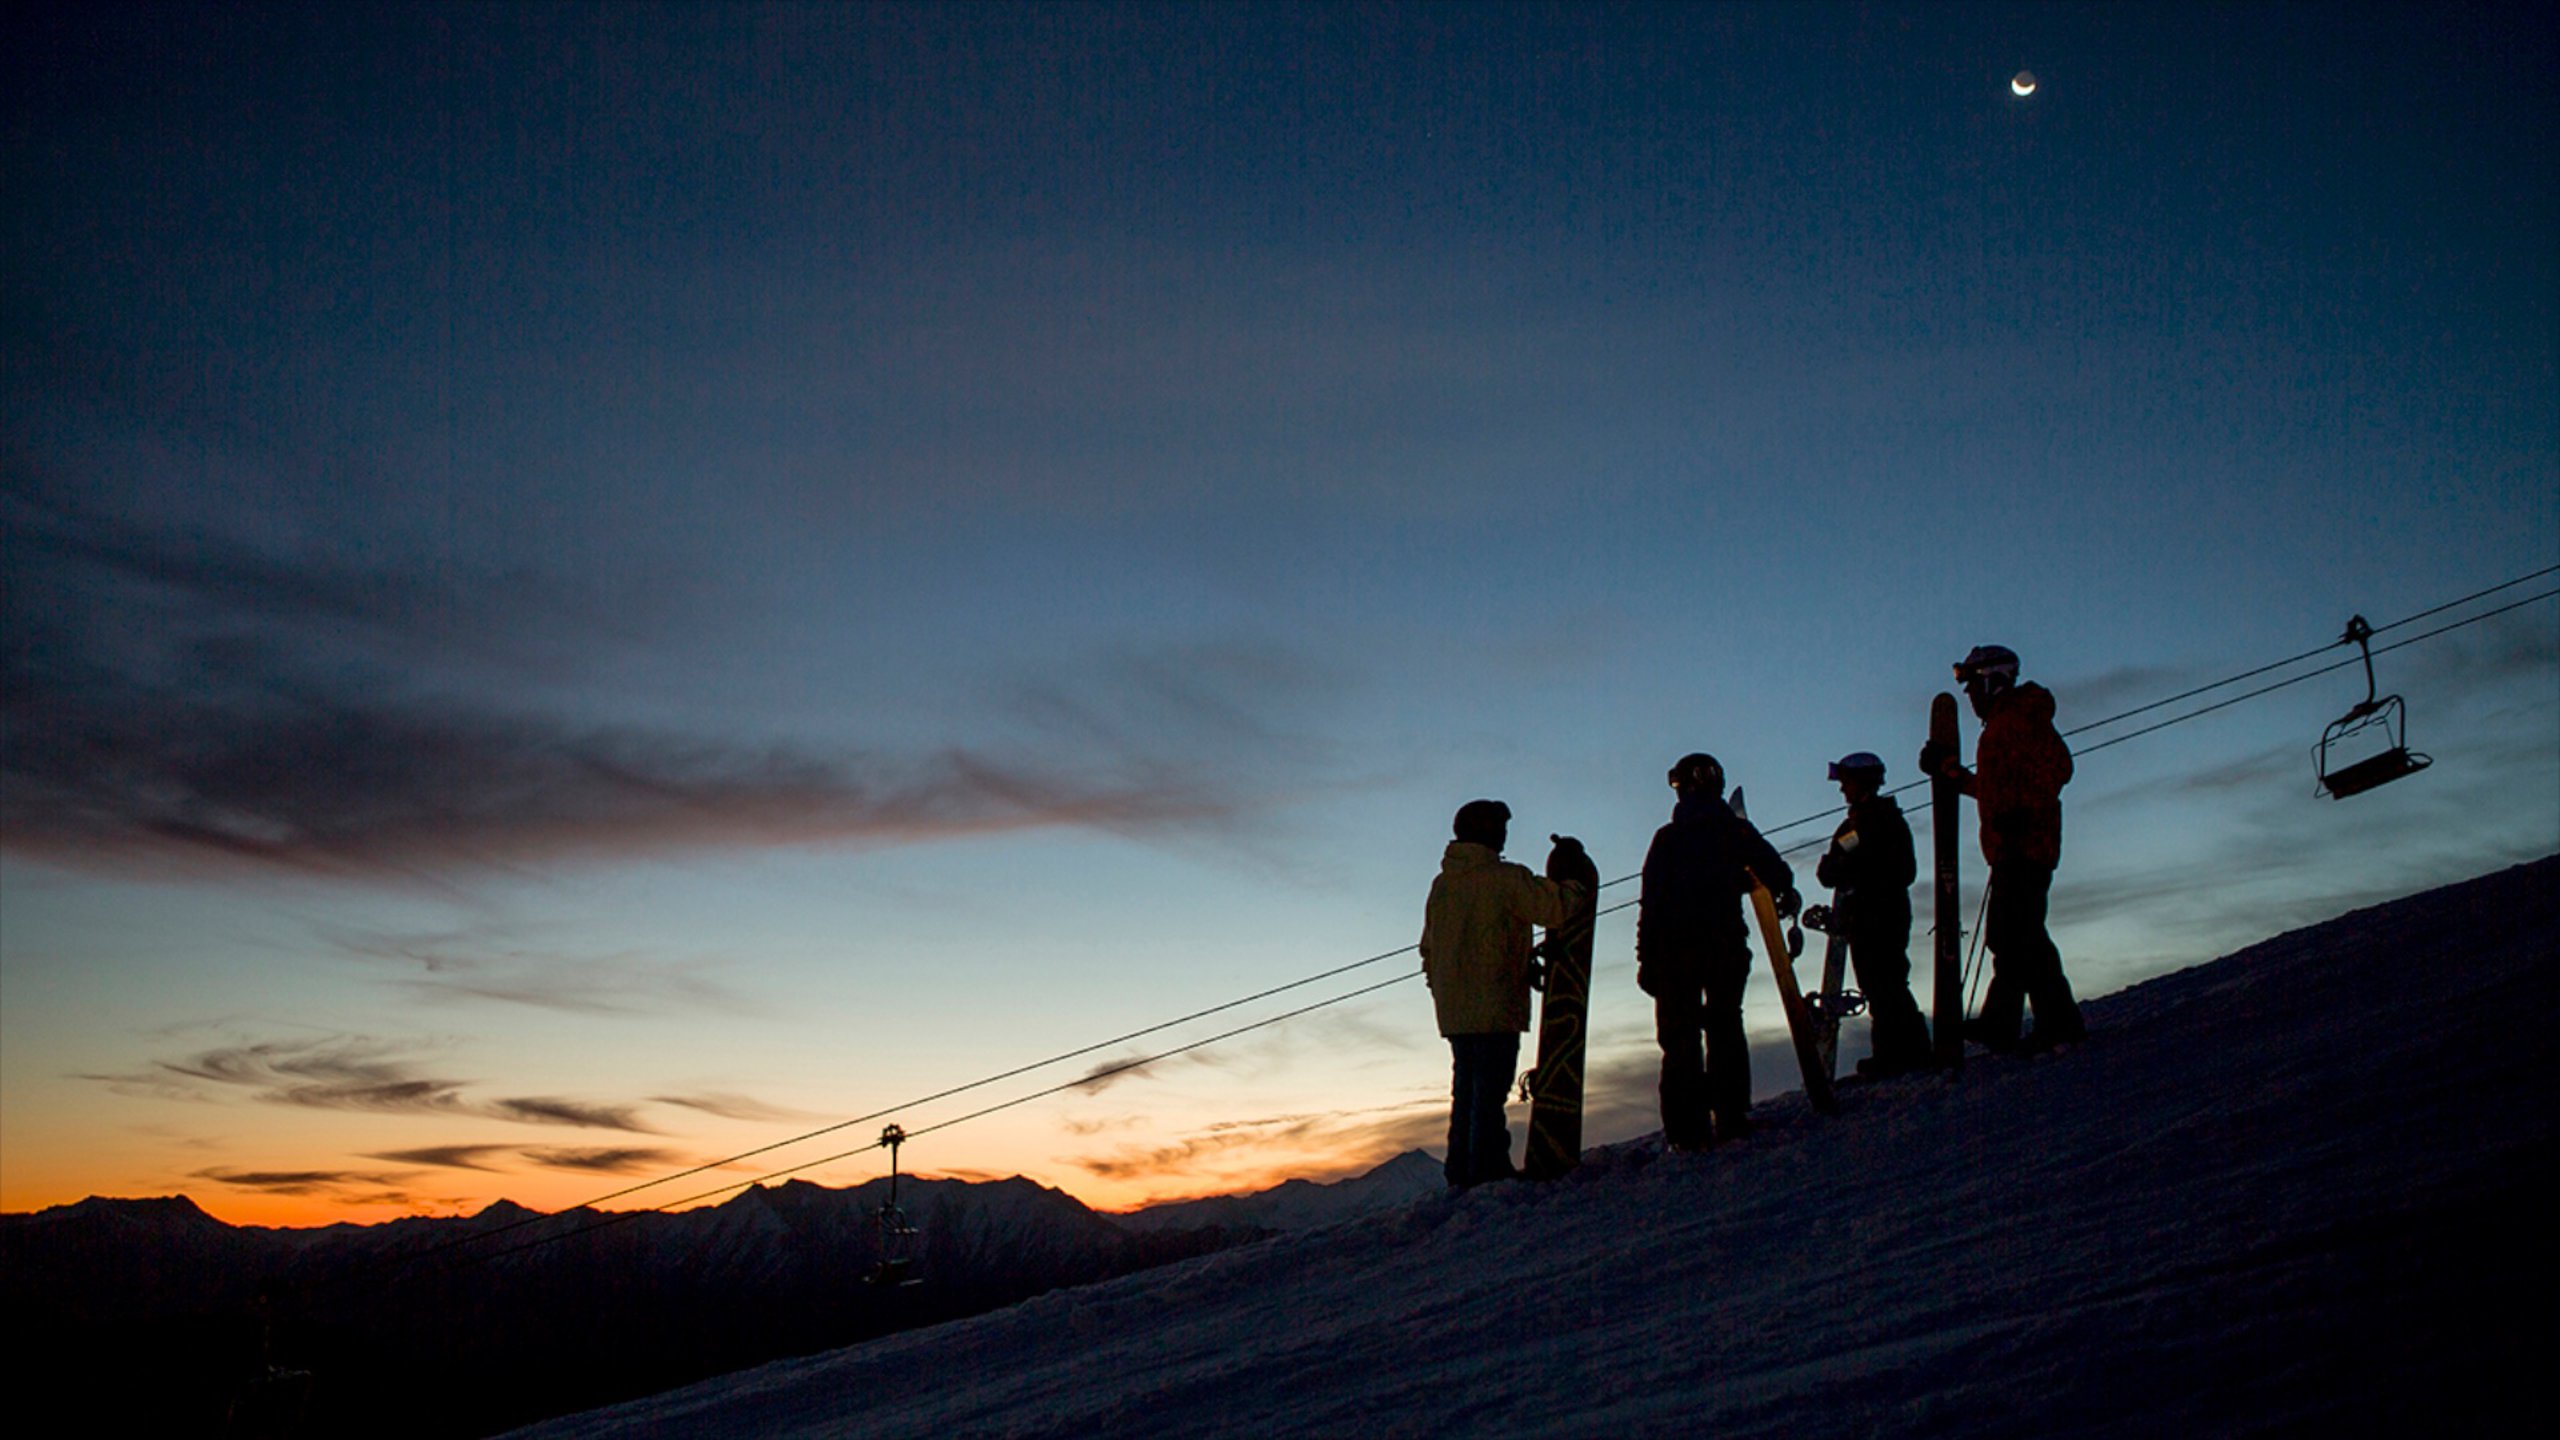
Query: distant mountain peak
<point x="156" y="1212"/>
<point x="1301" y="1204"/>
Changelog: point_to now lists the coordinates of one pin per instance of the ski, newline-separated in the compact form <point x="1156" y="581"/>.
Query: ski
<point x="1773" y="936"/>
<point x="1948" y="1020"/>
<point x="1817" y="1080"/>
<point x="1555" y="1086"/>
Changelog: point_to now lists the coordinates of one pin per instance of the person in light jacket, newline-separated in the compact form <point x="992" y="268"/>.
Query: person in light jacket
<point x="1476" y="955"/>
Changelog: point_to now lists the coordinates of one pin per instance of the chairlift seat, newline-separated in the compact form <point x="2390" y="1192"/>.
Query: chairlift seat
<point x="2373" y="770"/>
<point x="2386" y="714"/>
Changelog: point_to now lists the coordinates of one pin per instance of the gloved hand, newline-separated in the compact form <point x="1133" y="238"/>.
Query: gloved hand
<point x="1538" y="969"/>
<point x="1931" y="756"/>
<point x="1789" y="902"/>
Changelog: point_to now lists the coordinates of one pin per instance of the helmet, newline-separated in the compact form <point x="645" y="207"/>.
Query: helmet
<point x="1994" y="667"/>
<point x="1698" y="772"/>
<point x="1857" y="762"/>
<point x="1482" y="822"/>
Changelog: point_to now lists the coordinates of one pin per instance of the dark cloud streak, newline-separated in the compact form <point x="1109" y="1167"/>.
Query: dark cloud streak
<point x="451" y="1157"/>
<point x="733" y="1107"/>
<point x="244" y="728"/>
<point x="602" y="1160"/>
<point x="359" y="1074"/>
<point x="479" y="965"/>
<point x="308" y="1182"/>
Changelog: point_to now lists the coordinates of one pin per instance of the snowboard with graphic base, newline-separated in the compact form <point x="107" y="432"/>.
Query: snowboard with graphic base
<point x="1555" y="1086"/>
<point x="1947" y="1018"/>
<point x="1773" y="936"/>
<point x="1834" y="1002"/>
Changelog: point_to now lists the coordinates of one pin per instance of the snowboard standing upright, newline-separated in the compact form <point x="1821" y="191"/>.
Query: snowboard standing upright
<point x="1948" y="1021"/>
<point x="1800" y="1024"/>
<point x="1555" y="1086"/>
<point x="1834" y="1004"/>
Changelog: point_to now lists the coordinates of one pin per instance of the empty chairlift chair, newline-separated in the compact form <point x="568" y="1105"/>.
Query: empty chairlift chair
<point x="2384" y="719"/>
<point x="897" y="1237"/>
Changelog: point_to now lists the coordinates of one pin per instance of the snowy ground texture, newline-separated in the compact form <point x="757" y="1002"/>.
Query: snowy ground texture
<point x="2304" y="1189"/>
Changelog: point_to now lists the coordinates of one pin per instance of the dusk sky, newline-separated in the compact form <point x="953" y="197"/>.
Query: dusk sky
<point x="590" y="587"/>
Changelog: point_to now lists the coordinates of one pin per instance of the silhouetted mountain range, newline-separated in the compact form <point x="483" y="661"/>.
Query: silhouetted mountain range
<point x="418" y="1327"/>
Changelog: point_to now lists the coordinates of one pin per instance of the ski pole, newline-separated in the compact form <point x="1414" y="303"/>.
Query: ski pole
<point x="1973" y="959"/>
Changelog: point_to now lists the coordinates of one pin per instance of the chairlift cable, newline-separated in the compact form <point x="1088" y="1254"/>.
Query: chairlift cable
<point x="619" y="1217"/>
<point x="2305" y="655"/>
<point x="1977" y="937"/>
<point x="923" y="1100"/>
<point x="2315" y="674"/>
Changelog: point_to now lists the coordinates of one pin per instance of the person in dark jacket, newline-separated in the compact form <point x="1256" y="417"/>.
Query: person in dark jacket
<point x="1476" y="957"/>
<point x="1693" y="953"/>
<point x="2019" y="768"/>
<point x="1869" y="868"/>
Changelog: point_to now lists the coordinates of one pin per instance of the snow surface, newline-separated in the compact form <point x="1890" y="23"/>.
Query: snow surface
<point x="2299" y="1190"/>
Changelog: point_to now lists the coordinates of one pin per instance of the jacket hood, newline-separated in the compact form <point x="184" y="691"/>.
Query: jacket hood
<point x="1467" y="855"/>
<point x="2030" y="700"/>
<point x="1691" y="809"/>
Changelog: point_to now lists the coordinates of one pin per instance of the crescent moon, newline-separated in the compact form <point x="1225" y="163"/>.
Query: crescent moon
<point x="2023" y="83"/>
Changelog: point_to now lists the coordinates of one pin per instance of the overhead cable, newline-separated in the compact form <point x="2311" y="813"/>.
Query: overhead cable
<point x="1143" y="1062"/>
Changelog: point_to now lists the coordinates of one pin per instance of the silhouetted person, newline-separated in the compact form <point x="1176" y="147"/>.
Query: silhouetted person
<point x="1476" y="954"/>
<point x="1870" y="867"/>
<point x="1693" y="953"/>
<point x="2019" y="768"/>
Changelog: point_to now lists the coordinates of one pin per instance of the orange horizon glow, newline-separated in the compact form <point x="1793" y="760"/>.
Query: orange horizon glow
<point x="250" y="1209"/>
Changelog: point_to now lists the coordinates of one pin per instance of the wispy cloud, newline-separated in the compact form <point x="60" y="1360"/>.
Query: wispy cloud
<point x="733" y="1107"/>
<point x="1105" y="1073"/>
<point x="178" y="705"/>
<point x="2080" y="700"/>
<point x="298" y="1182"/>
<point x="486" y="966"/>
<point x="451" y="1157"/>
<point x="551" y="1110"/>
<point x="602" y="1160"/>
<point x="346" y="1187"/>
<point x="595" y="1159"/>
<point x="1358" y="1138"/>
<point x="354" y="1072"/>
<point x="1101" y="1125"/>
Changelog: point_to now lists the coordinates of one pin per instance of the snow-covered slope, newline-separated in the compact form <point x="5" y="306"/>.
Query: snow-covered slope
<point x="2300" y="1190"/>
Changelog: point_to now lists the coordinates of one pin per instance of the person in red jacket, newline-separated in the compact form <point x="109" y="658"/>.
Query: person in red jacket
<point x="2019" y="768"/>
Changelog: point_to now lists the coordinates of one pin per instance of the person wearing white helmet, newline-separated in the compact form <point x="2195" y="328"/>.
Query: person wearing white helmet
<point x="1476" y="957"/>
<point x="1870" y="867"/>
<point x="2020" y="766"/>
